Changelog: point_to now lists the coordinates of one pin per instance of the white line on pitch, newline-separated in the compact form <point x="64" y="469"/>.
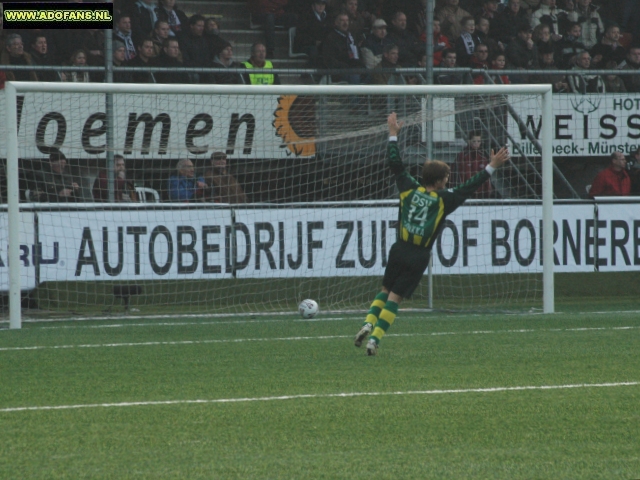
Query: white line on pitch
<point x="320" y="395"/>
<point x="319" y="337"/>
<point x="174" y="324"/>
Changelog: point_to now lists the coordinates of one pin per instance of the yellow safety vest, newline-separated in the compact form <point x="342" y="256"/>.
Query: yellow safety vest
<point x="261" y="78"/>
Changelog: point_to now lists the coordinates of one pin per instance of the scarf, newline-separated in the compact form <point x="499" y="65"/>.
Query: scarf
<point x="468" y="43"/>
<point x="151" y="9"/>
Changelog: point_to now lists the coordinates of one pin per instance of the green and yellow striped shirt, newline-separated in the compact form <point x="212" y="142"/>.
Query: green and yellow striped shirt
<point x="422" y="213"/>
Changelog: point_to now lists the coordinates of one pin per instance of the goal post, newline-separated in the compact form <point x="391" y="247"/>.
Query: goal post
<point x="303" y="155"/>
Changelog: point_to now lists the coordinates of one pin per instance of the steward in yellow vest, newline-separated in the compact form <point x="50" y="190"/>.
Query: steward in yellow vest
<point x="258" y="60"/>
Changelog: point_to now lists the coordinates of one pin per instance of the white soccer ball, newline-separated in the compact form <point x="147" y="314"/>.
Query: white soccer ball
<point x="308" y="308"/>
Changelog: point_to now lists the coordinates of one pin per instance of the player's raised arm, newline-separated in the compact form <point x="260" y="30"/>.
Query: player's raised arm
<point x="394" y="125"/>
<point x="498" y="159"/>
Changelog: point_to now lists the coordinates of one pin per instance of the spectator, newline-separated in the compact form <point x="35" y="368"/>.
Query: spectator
<point x="450" y="16"/>
<point x="375" y="43"/>
<point x="14" y="54"/>
<point x="608" y="49"/>
<point x="312" y="28"/>
<point x="581" y="81"/>
<point x="630" y="17"/>
<point x="489" y="10"/>
<point x="212" y="35"/>
<point x="547" y="62"/>
<point x="224" y="186"/>
<point x="542" y="37"/>
<point x="224" y="59"/>
<point x="634" y="173"/>
<point x="339" y="50"/>
<point x="506" y="25"/>
<point x="78" y="59"/>
<point x="258" y="59"/>
<point x="482" y="31"/>
<point x="184" y="186"/>
<point x="390" y="56"/>
<point x="590" y="22"/>
<point x="613" y="83"/>
<point x="522" y="53"/>
<point x="29" y="37"/>
<point x="122" y="32"/>
<point x="529" y="6"/>
<point x="448" y="61"/>
<point x="119" y="60"/>
<point x="143" y="18"/>
<point x="408" y="45"/>
<point x="176" y="18"/>
<point x="53" y="183"/>
<point x="632" y="62"/>
<point x="171" y="58"/>
<point x="124" y="191"/>
<point x="469" y="162"/>
<point x="271" y="13"/>
<point x="499" y="62"/>
<point x="467" y="41"/>
<point x="40" y="56"/>
<point x="570" y="46"/>
<point x="613" y="180"/>
<point x="145" y="58"/>
<point x="480" y="60"/>
<point x="92" y="40"/>
<point x="195" y="47"/>
<point x="440" y="42"/>
<point x="161" y="32"/>
<point x="359" y="22"/>
<point x="551" y="15"/>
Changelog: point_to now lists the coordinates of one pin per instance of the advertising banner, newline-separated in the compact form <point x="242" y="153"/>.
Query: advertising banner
<point x="583" y="125"/>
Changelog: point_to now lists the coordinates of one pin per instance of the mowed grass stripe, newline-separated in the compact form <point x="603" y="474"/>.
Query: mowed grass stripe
<point x="317" y="337"/>
<point x="323" y="395"/>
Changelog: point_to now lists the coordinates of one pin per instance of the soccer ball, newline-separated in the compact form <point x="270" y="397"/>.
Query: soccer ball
<point x="308" y="308"/>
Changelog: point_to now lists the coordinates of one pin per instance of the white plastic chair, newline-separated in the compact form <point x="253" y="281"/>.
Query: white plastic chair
<point x="142" y="194"/>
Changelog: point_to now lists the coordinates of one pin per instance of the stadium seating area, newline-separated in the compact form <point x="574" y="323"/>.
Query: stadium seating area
<point x="560" y="31"/>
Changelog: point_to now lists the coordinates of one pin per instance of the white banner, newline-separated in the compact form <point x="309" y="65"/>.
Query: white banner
<point x="312" y="242"/>
<point x="583" y="125"/>
<point x="29" y="251"/>
<point x="174" y="126"/>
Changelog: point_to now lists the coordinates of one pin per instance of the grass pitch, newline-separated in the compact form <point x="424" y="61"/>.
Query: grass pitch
<point x="448" y="396"/>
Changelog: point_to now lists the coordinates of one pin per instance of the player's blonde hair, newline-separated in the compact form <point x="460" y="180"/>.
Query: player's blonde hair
<point x="433" y="171"/>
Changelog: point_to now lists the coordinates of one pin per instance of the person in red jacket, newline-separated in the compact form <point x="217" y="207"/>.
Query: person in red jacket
<point x="613" y="180"/>
<point x="468" y="162"/>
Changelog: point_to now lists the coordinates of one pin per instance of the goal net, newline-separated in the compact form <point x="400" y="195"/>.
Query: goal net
<point x="173" y="200"/>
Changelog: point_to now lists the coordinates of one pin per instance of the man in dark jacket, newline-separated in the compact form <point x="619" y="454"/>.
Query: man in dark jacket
<point x="408" y="45"/>
<point x="40" y="56"/>
<point x="312" y="28"/>
<point x="195" y="47"/>
<point x="170" y="58"/>
<point x="224" y="59"/>
<point x="53" y="183"/>
<point x="522" y="53"/>
<point x="504" y="28"/>
<point x="340" y="51"/>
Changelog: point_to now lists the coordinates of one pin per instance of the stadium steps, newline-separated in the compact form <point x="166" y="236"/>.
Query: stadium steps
<point x="234" y="23"/>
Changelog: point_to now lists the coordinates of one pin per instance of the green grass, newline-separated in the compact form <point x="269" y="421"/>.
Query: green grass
<point x="585" y="432"/>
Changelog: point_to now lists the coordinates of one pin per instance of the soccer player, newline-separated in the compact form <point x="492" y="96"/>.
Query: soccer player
<point x="423" y="209"/>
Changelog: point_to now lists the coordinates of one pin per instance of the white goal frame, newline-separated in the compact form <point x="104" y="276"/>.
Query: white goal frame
<point x="13" y="89"/>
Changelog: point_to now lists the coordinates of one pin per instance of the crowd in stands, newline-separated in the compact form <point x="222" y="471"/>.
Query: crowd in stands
<point x="573" y="35"/>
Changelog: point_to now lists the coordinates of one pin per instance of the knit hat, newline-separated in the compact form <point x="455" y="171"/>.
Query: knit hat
<point x="117" y="44"/>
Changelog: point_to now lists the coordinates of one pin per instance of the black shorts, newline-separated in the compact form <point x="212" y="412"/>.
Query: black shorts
<point x="407" y="263"/>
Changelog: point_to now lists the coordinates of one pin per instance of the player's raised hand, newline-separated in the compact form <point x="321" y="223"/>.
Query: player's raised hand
<point x="500" y="157"/>
<point x="394" y="125"/>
